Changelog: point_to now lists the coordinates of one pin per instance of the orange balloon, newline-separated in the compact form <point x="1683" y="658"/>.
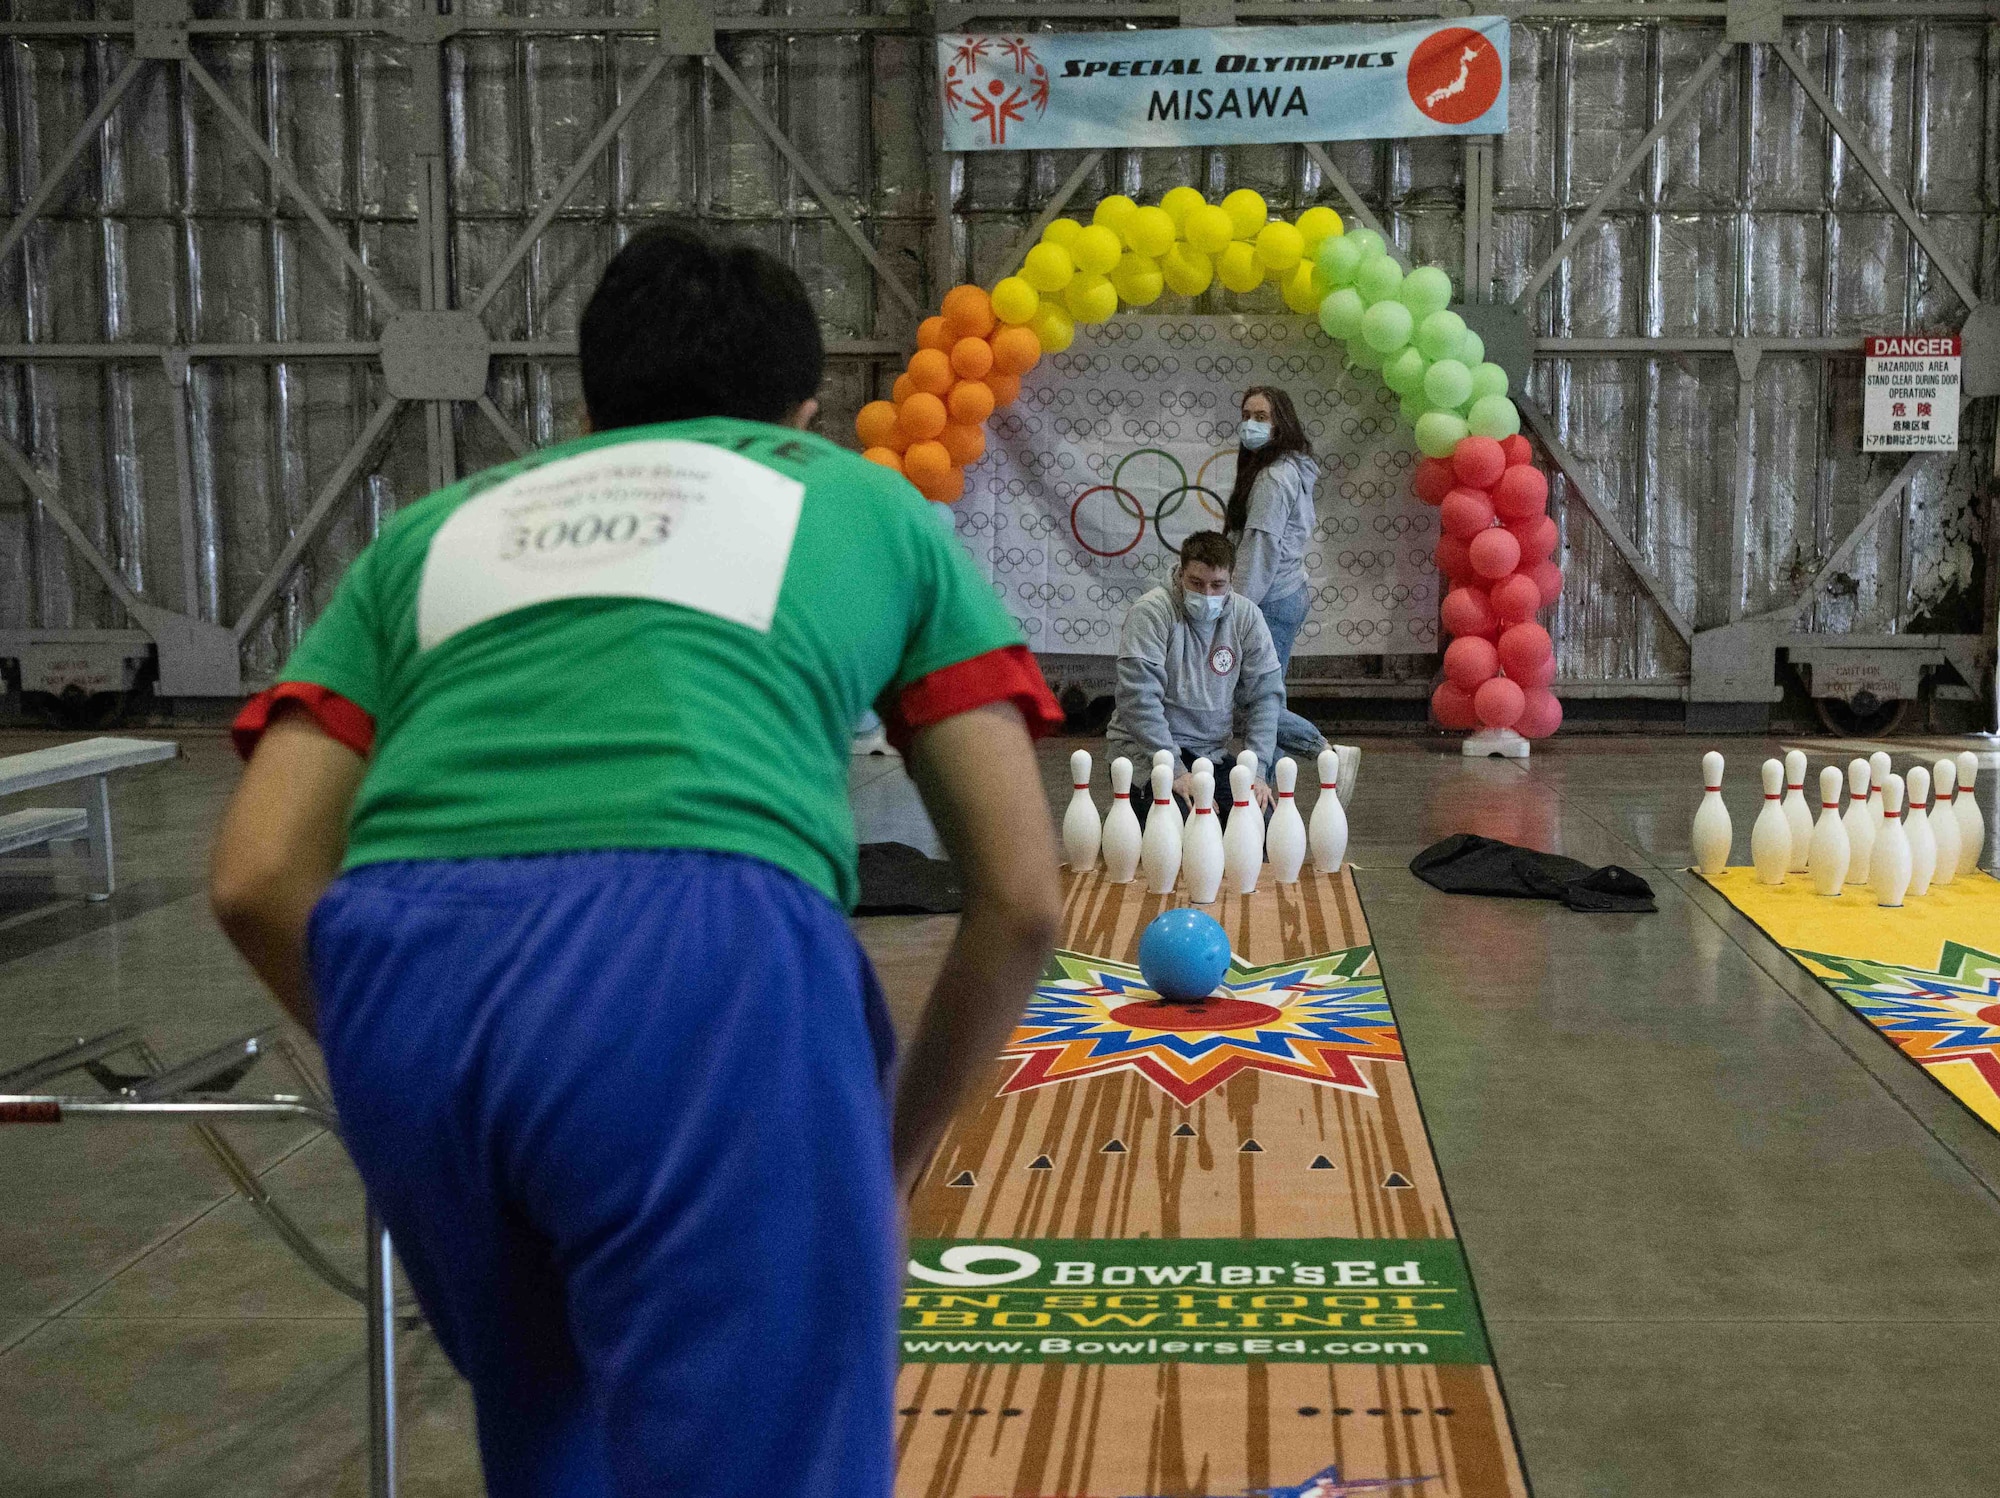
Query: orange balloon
<point x="1006" y="388"/>
<point x="965" y="442"/>
<point x="875" y="423"/>
<point x="934" y="332"/>
<point x="948" y="490"/>
<point x="930" y="369"/>
<point x="919" y="418"/>
<point x="926" y="463"/>
<point x="888" y="457"/>
<point x="972" y="357"/>
<point x="970" y="401"/>
<point x="1016" y="350"/>
<point x="969" y="310"/>
<point x="903" y="389"/>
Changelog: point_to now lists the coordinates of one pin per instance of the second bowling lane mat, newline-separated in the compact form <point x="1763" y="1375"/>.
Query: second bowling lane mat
<point x="1927" y="975"/>
<point x="1178" y="1252"/>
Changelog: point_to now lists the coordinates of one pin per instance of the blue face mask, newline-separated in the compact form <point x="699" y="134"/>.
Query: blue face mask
<point x="1203" y="608"/>
<point x="1254" y="434"/>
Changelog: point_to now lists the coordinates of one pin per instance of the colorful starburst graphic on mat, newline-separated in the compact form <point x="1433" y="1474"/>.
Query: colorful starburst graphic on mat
<point x="1312" y="1019"/>
<point x="1951" y="1014"/>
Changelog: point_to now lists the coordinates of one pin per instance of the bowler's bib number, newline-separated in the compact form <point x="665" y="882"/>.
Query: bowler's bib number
<point x="676" y="522"/>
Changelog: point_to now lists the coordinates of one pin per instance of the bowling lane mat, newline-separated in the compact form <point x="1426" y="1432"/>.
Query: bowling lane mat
<point x="1176" y="1253"/>
<point x="1927" y="975"/>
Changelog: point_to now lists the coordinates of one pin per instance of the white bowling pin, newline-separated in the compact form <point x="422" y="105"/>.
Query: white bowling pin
<point x="1798" y="816"/>
<point x="1248" y="759"/>
<point x="1328" y="835"/>
<point x="1201" y="844"/>
<point x="1243" y="838"/>
<point x="1712" y="830"/>
<point x="1771" y="833"/>
<point x="1082" y="831"/>
<point x="1878" y="773"/>
<point x="1160" y="848"/>
<point x="1889" y="872"/>
<point x="1285" y="838"/>
<point x="1944" y="820"/>
<point x="1917" y="828"/>
<point x="1203" y="766"/>
<point x="1166" y="757"/>
<point x="1827" y="855"/>
<point x="1861" y="821"/>
<point x="1121" y="827"/>
<point x="1971" y="826"/>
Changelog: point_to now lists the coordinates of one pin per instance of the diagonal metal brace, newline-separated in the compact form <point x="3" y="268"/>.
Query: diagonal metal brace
<point x="72" y="153"/>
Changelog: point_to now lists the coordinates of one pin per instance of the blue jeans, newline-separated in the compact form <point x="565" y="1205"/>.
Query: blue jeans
<point x="1283" y="616"/>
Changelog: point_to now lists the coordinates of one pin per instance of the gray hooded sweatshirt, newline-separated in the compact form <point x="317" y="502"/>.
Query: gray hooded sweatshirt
<point x="1180" y="684"/>
<point x="1271" y="552"/>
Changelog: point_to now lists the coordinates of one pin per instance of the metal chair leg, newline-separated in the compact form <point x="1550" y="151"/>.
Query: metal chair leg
<point x="381" y="1361"/>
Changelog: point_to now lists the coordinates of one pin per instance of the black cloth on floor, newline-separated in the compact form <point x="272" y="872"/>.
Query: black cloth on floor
<point x="1466" y="864"/>
<point x="897" y="879"/>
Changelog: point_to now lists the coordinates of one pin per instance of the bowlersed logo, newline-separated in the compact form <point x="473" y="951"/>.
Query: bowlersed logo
<point x="994" y="81"/>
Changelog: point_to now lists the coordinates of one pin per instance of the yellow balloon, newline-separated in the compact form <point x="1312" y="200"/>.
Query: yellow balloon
<point x="1063" y="232"/>
<point x="1091" y="298"/>
<point x="1047" y="267"/>
<point x="1114" y="213"/>
<point x="1316" y="224"/>
<point x="1239" y="268"/>
<point x="1138" y="279"/>
<point x="1015" y="300"/>
<point x="1053" y="327"/>
<point x="1150" y="231"/>
<point x="1097" y="249"/>
<point x="1208" y="230"/>
<point x="1301" y="294"/>
<point x="1187" y="271"/>
<point x="1180" y="202"/>
<point x="1279" y="246"/>
<point x="1247" y="212"/>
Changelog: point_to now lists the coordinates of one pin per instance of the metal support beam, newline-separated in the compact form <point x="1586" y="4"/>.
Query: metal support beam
<point x="1870" y="517"/>
<point x="1606" y="522"/>
<point x="1355" y="207"/>
<point x="516" y="443"/>
<point x="1051" y="211"/>
<point x="1748" y="357"/>
<point x="1478" y="278"/>
<point x="72" y="153"/>
<point x="39" y="486"/>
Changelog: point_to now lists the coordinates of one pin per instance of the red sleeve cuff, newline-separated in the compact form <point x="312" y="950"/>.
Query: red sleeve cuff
<point x="339" y="718"/>
<point x="1006" y="675"/>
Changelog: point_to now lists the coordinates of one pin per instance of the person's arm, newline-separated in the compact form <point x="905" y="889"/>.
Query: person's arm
<point x="1142" y="705"/>
<point x="280" y="845"/>
<point x="1256" y="563"/>
<point x="977" y="775"/>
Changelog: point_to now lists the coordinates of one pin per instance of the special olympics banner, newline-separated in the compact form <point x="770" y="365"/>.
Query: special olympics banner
<point x="1232" y="86"/>
<point x="1121" y="447"/>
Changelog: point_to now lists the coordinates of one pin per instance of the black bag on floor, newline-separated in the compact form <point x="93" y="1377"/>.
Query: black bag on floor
<point x="1467" y="864"/>
<point x="897" y="879"/>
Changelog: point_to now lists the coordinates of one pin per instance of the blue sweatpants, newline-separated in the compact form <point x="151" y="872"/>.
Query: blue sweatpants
<point x="624" y="1115"/>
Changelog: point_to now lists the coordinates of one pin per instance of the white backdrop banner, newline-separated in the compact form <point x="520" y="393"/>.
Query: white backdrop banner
<point x="1120" y="448"/>
<point x="1050" y="90"/>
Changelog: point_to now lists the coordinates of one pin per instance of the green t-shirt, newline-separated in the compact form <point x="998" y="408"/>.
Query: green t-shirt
<point x="765" y="588"/>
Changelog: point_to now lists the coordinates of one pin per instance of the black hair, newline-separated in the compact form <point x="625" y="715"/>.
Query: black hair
<point x="1211" y="549"/>
<point x="1288" y="435"/>
<point x="683" y="324"/>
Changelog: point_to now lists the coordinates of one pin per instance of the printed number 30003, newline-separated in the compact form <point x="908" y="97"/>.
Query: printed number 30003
<point x="557" y="537"/>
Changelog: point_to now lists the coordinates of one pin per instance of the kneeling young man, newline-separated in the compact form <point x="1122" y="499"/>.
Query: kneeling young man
<point x="1192" y="656"/>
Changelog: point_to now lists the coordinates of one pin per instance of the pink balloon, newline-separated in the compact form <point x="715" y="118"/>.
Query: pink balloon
<point x="1517" y="450"/>
<point x="1467" y="611"/>
<point x="1478" y="461"/>
<point x="1514" y="600"/>
<point x="1465" y="513"/>
<point x="1453" y="560"/>
<point x="1521" y="494"/>
<point x="1499" y="702"/>
<point x="1541" y="714"/>
<point x="1523" y="648"/>
<point x="1470" y="660"/>
<point x="1541" y="676"/>
<point x="1537" y="537"/>
<point x="1549" y="578"/>
<point x="1434" y="480"/>
<point x="1451" y="708"/>
<point x="1494" y="553"/>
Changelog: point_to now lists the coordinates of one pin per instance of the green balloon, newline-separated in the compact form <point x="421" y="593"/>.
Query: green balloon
<point x="1425" y="290"/>
<point x="1386" y="326"/>
<point x="1338" y="259"/>
<point x="1361" y="356"/>
<point x="1495" y="417"/>
<point x="1405" y="372"/>
<point x="1472" y="352"/>
<point x="1340" y="314"/>
<point x="1440" y="334"/>
<point x="1414" y="406"/>
<point x="1448" y="385"/>
<point x="1366" y="242"/>
<point x="1488" y="379"/>
<point x="1438" y="433"/>
<point x="1379" y="280"/>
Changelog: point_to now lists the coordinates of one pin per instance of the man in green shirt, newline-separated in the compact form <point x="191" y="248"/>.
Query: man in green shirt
<point x="544" y="831"/>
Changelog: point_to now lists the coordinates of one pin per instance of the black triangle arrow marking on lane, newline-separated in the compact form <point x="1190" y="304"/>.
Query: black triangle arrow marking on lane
<point x="963" y="1178"/>
<point x="1115" y="1147"/>
<point x="1251" y="1147"/>
<point x="1397" y="1182"/>
<point x="1040" y="1162"/>
<point x="1185" y="1131"/>
<point x="1320" y="1162"/>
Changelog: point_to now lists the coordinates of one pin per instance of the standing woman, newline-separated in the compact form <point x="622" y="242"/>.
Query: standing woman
<point x="1271" y="518"/>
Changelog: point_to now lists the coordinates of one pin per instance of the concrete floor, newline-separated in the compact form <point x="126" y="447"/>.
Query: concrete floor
<point x="1728" y="1242"/>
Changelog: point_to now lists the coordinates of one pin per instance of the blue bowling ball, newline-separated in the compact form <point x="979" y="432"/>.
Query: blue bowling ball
<point x="1183" y="955"/>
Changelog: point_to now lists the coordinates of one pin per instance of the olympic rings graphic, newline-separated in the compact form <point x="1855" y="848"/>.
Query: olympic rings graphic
<point x="1212" y="503"/>
<point x="1126" y="501"/>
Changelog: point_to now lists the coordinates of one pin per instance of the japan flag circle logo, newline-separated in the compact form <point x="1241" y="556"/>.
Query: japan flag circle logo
<point x="995" y="81"/>
<point x="1454" y="76"/>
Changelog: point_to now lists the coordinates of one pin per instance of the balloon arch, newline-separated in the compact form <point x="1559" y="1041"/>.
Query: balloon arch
<point x="1498" y="541"/>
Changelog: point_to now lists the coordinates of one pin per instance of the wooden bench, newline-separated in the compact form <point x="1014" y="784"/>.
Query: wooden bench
<point x="93" y="761"/>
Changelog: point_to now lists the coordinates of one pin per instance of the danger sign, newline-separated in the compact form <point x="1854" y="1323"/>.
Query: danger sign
<point x="1909" y="393"/>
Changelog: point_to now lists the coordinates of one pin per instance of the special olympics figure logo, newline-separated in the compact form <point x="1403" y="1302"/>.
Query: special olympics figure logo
<point x="1454" y="76"/>
<point x="996" y="80"/>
